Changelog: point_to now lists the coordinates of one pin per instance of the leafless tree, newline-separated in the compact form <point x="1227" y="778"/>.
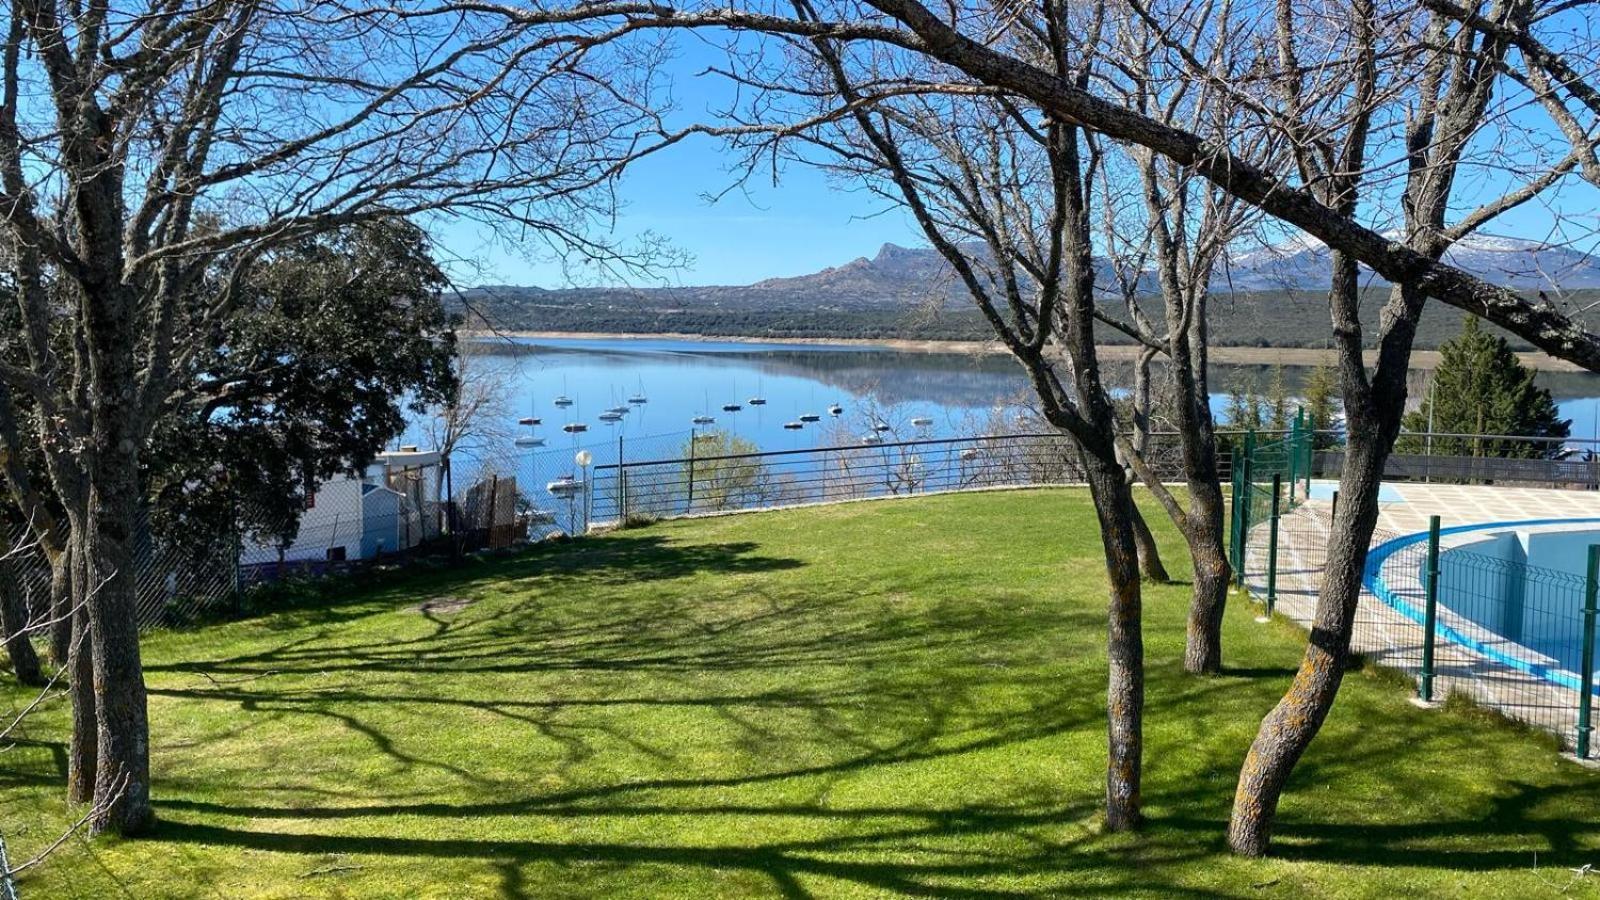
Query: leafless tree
<point x="18" y="623"/>
<point x="1433" y="82"/>
<point x="478" y="418"/>
<point x="1004" y="195"/>
<point x="1167" y="226"/>
<point x="150" y="153"/>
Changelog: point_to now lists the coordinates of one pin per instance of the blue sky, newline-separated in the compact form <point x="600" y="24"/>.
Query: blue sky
<point x="804" y="222"/>
<point x="758" y="231"/>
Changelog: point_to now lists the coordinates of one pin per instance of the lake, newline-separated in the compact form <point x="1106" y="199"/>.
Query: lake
<point x="944" y="394"/>
<point x="910" y="394"/>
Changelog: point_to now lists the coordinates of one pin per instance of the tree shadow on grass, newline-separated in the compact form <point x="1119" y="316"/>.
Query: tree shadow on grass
<point x="827" y="690"/>
<point x="783" y="863"/>
<point x="487" y="641"/>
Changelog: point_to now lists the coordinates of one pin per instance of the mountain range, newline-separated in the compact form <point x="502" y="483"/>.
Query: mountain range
<point x="1267" y="296"/>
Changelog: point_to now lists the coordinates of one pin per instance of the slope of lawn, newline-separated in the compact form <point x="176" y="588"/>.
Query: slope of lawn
<point x="851" y="701"/>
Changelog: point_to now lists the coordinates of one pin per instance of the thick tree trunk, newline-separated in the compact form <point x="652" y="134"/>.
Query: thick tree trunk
<point x="1124" y="643"/>
<point x="1202" y="651"/>
<point x="1290" y="727"/>
<point x="14" y="622"/>
<point x="84" y="748"/>
<point x="61" y="606"/>
<point x="1150" y="565"/>
<point x="122" y="777"/>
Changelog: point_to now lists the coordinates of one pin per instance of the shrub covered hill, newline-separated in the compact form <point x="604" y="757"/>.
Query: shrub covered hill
<point x="1268" y="297"/>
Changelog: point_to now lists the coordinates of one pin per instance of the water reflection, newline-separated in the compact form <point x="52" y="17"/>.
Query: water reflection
<point x="956" y="392"/>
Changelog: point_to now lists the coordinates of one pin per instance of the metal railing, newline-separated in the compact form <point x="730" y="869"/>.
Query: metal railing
<point x="697" y="483"/>
<point x="515" y="496"/>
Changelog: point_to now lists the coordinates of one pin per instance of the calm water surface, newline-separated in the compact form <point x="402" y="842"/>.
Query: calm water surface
<point x="947" y="394"/>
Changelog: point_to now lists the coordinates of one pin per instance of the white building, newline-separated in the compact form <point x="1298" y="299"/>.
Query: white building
<point x="392" y="505"/>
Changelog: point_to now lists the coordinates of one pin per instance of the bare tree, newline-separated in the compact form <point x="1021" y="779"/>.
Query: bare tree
<point x="17" y="623"/>
<point x="478" y="417"/>
<point x="1004" y="195"/>
<point x="1443" y="85"/>
<point x="1167" y="226"/>
<point x="150" y="154"/>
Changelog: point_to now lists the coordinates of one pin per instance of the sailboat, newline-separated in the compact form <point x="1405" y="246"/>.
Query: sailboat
<point x="563" y="401"/>
<point x="705" y="418"/>
<point x="530" y="439"/>
<point x="640" y="397"/>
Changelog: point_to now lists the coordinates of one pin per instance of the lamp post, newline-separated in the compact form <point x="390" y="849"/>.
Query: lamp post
<point x="583" y="458"/>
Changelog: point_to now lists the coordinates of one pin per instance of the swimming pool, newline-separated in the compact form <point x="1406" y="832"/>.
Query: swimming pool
<point x="1511" y="591"/>
<point x="1324" y="490"/>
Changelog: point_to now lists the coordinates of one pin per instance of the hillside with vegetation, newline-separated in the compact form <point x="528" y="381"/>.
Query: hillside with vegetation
<point x="1270" y="298"/>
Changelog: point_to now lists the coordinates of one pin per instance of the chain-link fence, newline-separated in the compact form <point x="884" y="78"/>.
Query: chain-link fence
<point x="415" y="503"/>
<point x="8" y="887"/>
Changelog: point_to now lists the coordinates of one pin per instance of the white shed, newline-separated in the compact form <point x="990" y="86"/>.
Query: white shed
<point x="392" y="505"/>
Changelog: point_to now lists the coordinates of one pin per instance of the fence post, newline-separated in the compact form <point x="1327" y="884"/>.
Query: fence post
<point x="622" y="484"/>
<point x="1586" y="676"/>
<point x="1292" y="451"/>
<point x="1247" y="490"/>
<point x="1333" y="511"/>
<point x="1430" y="617"/>
<point x="694" y="441"/>
<point x="1233" y="513"/>
<point x="1272" y="545"/>
<point x="1311" y="450"/>
<point x="1309" y="441"/>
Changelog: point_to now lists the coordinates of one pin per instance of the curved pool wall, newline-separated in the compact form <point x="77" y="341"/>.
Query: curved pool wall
<point x="1510" y="591"/>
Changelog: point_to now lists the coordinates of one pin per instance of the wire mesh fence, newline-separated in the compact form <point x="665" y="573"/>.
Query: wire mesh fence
<point x="707" y="478"/>
<point x="8" y="887"/>
<point x="1460" y="609"/>
<point x="413" y="503"/>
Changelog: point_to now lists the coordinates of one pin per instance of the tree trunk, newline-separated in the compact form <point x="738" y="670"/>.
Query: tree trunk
<point x="122" y="779"/>
<point x="1113" y="502"/>
<point x="14" y="621"/>
<point x="83" y="749"/>
<point x="61" y="606"/>
<point x="1150" y="565"/>
<point x="1202" y="651"/>
<point x="1290" y="727"/>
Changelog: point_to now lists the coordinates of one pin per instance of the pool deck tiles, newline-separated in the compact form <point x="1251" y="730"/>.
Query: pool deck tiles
<point x="1387" y="637"/>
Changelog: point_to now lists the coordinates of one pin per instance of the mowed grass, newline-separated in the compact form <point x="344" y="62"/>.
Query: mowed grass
<point x="853" y="701"/>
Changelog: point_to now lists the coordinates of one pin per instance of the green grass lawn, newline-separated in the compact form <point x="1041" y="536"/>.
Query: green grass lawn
<point x="859" y="700"/>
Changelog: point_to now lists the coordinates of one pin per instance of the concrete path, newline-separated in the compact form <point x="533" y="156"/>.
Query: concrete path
<point x="1387" y="637"/>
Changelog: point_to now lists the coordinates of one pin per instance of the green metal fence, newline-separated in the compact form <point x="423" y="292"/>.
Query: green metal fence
<point x="1271" y="478"/>
<point x="1517" y="637"/>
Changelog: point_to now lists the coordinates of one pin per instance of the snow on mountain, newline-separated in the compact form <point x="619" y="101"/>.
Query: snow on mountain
<point x="1303" y="263"/>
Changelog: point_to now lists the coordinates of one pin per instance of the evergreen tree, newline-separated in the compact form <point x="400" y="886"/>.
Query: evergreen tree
<point x="1481" y="388"/>
<point x="1321" y="403"/>
<point x="1278" y="401"/>
<point x="1243" y="411"/>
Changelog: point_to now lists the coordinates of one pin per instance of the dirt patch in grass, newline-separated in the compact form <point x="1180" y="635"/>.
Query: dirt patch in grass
<point x="442" y="605"/>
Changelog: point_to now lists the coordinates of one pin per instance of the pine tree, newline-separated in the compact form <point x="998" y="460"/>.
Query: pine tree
<point x="1243" y="411"/>
<point x="1278" y="401"/>
<point x="1481" y="388"/>
<point x="1321" y="403"/>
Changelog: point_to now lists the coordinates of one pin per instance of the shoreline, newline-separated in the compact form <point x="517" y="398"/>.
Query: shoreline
<point x="1305" y="357"/>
